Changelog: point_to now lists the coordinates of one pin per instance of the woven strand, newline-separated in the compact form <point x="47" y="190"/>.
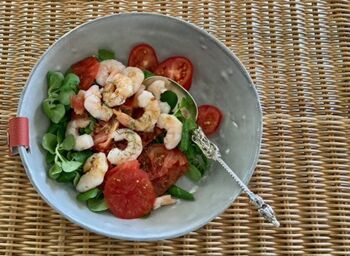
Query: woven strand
<point x="298" y="54"/>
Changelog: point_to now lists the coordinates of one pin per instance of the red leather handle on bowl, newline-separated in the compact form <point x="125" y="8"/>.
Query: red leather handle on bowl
<point x="18" y="134"/>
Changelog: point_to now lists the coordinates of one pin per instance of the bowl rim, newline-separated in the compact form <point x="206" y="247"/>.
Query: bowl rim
<point x="23" y="152"/>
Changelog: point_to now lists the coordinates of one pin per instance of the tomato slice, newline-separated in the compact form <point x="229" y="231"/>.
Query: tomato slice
<point x="144" y="57"/>
<point x="164" y="167"/>
<point x="77" y="103"/>
<point x="179" y="69"/>
<point x="129" y="192"/>
<point x="209" y="118"/>
<point x="110" y="172"/>
<point x="87" y="70"/>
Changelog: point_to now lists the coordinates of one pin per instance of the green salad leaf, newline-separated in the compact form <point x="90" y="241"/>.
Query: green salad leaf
<point x="147" y="74"/>
<point x="66" y="177"/>
<point x="94" y="199"/>
<point x="193" y="173"/>
<point x="199" y="163"/>
<point x="49" y="142"/>
<point x="196" y="157"/>
<point x="97" y="205"/>
<point x="180" y="193"/>
<point x="64" y="163"/>
<point x="54" y="112"/>
<point x="186" y="108"/>
<point x="104" y="54"/>
<point x="92" y="193"/>
<point x="60" y="134"/>
<point x="70" y="166"/>
<point x="70" y="83"/>
<point x="53" y="128"/>
<point x="68" y="143"/>
<point x="54" y="81"/>
<point x="50" y="158"/>
<point x="189" y="125"/>
<point x="88" y="129"/>
<point x="60" y="91"/>
<point x="169" y="97"/>
<point x="55" y="171"/>
<point x="65" y="97"/>
<point x="76" y="179"/>
<point x="80" y="156"/>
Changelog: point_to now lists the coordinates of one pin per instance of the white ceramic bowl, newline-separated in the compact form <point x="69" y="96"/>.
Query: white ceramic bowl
<point x="219" y="79"/>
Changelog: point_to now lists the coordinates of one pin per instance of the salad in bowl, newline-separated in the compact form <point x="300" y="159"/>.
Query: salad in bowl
<point x="122" y="139"/>
<point x="98" y="91"/>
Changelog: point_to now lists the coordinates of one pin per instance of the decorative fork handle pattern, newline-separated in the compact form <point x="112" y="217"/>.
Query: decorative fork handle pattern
<point x="211" y="151"/>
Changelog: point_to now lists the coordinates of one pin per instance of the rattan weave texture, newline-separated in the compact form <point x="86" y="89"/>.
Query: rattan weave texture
<point x="298" y="54"/>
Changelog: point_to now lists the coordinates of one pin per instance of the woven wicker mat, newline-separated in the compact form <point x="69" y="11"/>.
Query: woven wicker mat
<point x="298" y="54"/>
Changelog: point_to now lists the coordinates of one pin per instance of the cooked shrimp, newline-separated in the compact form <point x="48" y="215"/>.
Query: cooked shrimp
<point x="95" y="168"/>
<point x="132" y="150"/>
<point x="94" y="106"/>
<point x="144" y="98"/>
<point x="107" y="69"/>
<point x="147" y="120"/>
<point x="136" y="75"/>
<point x="162" y="201"/>
<point x="164" y="107"/>
<point x="117" y="90"/>
<point x="141" y="89"/>
<point x="157" y="88"/>
<point x="173" y="127"/>
<point x="84" y="141"/>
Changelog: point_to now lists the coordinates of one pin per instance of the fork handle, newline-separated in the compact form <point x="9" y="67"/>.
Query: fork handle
<point x="211" y="151"/>
<point x="264" y="209"/>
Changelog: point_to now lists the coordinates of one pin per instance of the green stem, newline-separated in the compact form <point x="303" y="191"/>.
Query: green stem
<point x="58" y="153"/>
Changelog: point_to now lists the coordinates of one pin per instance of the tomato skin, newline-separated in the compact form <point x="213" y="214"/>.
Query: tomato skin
<point x="102" y="135"/>
<point x="209" y="118"/>
<point x="129" y="105"/>
<point x="110" y="172"/>
<point x="77" y="103"/>
<point x="144" y="57"/>
<point x="87" y="70"/>
<point x="164" y="167"/>
<point x="129" y="192"/>
<point x="148" y="137"/>
<point x="75" y="116"/>
<point x="105" y="146"/>
<point x="177" y="68"/>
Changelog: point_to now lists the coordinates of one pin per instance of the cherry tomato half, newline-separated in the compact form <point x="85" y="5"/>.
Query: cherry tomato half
<point x="144" y="57"/>
<point x="87" y="70"/>
<point x="164" y="167"/>
<point x="179" y="69"/>
<point x="129" y="192"/>
<point x="209" y="118"/>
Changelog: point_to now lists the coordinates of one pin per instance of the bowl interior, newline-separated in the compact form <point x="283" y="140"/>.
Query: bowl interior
<point x="219" y="79"/>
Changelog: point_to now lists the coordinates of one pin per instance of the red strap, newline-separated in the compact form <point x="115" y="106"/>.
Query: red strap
<point x="18" y="134"/>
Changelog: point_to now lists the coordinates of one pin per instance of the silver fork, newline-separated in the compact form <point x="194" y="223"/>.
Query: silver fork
<point x="211" y="151"/>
